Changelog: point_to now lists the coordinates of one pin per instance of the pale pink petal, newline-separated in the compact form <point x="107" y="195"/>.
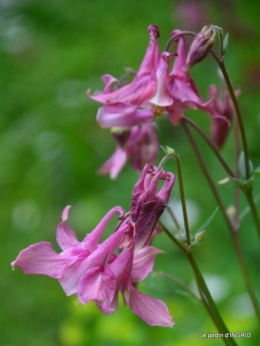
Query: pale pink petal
<point x="40" y="258"/>
<point x="122" y="115"/>
<point x="140" y="90"/>
<point x="72" y="275"/>
<point x="114" y="164"/>
<point x="143" y="263"/>
<point x="97" y="284"/>
<point x="108" y="80"/>
<point x="162" y="97"/>
<point x="154" y="312"/>
<point x="152" y="55"/>
<point x="65" y="236"/>
<point x="91" y="240"/>
<point x="142" y="146"/>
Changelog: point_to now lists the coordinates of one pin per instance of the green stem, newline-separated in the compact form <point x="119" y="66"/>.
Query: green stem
<point x="254" y="212"/>
<point x="182" y="194"/>
<point x="205" y="294"/>
<point x="183" y="201"/>
<point x="221" y="324"/>
<point x="179" y="282"/>
<point x="232" y="227"/>
<point x="211" y="144"/>
<point x="221" y="64"/>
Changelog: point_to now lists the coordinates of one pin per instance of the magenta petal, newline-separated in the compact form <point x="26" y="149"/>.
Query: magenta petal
<point x="154" y="312"/>
<point x="136" y="93"/>
<point x="72" y="275"/>
<point x="143" y="263"/>
<point x="122" y="115"/>
<point x="65" y="236"/>
<point x="97" y="284"/>
<point x="40" y="258"/>
<point x="114" y="164"/>
<point x="91" y="240"/>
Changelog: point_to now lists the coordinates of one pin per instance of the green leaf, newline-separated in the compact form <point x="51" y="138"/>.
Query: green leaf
<point x="242" y="165"/>
<point x="204" y="226"/>
<point x="257" y="173"/>
<point x="225" y="43"/>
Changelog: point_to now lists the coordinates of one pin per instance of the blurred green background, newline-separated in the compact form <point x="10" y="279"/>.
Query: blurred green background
<point x="51" y="52"/>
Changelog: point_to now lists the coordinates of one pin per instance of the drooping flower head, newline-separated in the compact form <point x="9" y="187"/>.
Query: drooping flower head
<point x="144" y="84"/>
<point x="222" y="111"/>
<point x="100" y="271"/>
<point x="139" y="144"/>
<point x="148" y="203"/>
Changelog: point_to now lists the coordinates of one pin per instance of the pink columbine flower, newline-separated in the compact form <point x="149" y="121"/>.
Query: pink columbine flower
<point x="222" y="112"/>
<point x="139" y="144"/>
<point x="93" y="270"/>
<point x="144" y="84"/>
<point x="181" y="87"/>
<point x="147" y="203"/>
<point x="68" y="265"/>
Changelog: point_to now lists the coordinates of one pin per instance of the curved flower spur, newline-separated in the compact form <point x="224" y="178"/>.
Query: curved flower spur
<point x="96" y="271"/>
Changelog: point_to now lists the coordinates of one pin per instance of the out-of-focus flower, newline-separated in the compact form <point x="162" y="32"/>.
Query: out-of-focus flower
<point x="222" y="110"/>
<point x="190" y="14"/>
<point x="123" y="115"/>
<point x="139" y="144"/>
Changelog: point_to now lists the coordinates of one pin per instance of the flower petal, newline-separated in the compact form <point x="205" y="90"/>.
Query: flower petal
<point x="122" y="115"/>
<point x="143" y="263"/>
<point x="72" y="275"/>
<point x="114" y="164"/>
<point x="40" y="258"/>
<point x="154" y="312"/>
<point x="97" y="284"/>
<point x="140" y="90"/>
<point x="65" y="236"/>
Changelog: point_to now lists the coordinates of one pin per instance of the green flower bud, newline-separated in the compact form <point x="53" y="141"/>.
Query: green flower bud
<point x="200" y="237"/>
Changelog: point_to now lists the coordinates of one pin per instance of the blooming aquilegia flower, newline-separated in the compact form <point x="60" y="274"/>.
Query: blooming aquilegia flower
<point x="222" y="110"/>
<point x="99" y="271"/>
<point x="139" y="144"/>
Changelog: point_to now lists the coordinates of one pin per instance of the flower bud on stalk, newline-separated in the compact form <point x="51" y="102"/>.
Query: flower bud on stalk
<point x="201" y="46"/>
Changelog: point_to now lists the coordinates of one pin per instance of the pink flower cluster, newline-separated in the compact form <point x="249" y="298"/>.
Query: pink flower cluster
<point x="99" y="271"/>
<point x="155" y="90"/>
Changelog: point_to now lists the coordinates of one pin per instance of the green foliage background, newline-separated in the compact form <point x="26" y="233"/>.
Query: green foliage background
<point x="51" y="52"/>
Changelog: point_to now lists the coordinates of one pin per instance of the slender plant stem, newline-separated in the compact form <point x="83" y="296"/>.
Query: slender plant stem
<point x="231" y="226"/>
<point x="182" y="194"/>
<point x="183" y="201"/>
<point x="254" y="212"/>
<point x="211" y="144"/>
<point x="174" y="218"/>
<point x="211" y="304"/>
<point x="205" y="303"/>
<point x="237" y="190"/>
<point x="179" y="282"/>
<point x="205" y="294"/>
<point x="173" y="239"/>
<point x="221" y="64"/>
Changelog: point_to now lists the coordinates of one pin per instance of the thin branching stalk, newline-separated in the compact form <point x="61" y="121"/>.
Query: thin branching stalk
<point x="207" y="298"/>
<point x="179" y="282"/>
<point x="231" y="225"/>
<point x="223" y="69"/>
<point x="211" y="145"/>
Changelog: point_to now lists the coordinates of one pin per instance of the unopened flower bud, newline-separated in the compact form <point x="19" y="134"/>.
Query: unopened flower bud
<point x="201" y="46"/>
<point x="200" y="237"/>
